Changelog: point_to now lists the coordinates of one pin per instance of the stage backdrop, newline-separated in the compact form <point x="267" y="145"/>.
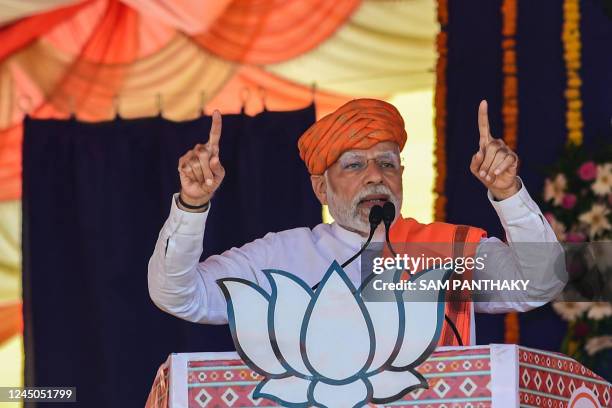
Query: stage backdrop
<point x="475" y="72"/>
<point x="511" y="53"/>
<point x="95" y="197"/>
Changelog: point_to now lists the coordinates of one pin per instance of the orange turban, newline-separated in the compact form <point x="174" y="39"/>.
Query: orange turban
<point x="358" y="124"/>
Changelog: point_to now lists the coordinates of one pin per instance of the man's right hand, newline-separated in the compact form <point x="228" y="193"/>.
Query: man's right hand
<point x="200" y="169"/>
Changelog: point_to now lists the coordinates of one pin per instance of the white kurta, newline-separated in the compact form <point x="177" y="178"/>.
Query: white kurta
<point x="184" y="287"/>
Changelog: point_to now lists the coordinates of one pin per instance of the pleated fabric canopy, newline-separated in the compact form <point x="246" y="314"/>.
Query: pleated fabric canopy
<point x="99" y="58"/>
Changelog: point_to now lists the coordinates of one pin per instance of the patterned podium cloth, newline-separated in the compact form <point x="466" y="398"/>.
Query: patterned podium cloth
<point x="458" y="377"/>
<point x="548" y="379"/>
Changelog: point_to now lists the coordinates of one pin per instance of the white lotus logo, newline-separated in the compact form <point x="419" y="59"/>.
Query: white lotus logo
<point x="328" y="347"/>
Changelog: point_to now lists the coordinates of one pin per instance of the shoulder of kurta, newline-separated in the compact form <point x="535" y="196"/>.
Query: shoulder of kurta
<point x="293" y="235"/>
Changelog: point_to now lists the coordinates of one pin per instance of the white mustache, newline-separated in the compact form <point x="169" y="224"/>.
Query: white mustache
<point x="371" y="190"/>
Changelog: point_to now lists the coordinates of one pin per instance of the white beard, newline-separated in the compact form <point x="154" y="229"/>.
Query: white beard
<point x="350" y="217"/>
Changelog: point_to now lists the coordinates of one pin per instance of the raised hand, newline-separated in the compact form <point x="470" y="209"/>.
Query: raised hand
<point x="200" y="169"/>
<point x="494" y="164"/>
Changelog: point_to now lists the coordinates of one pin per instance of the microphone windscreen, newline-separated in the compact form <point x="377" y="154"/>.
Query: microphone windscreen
<point x="388" y="212"/>
<point x="376" y="215"/>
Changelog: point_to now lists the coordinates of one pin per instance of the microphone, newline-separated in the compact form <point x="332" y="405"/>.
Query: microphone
<point x="388" y="215"/>
<point x="375" y="217"/>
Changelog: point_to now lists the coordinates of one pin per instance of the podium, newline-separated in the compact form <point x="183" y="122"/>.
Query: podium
<point x="498" y="375"/>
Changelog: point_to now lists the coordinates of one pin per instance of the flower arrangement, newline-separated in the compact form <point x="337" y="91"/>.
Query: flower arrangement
<point x="578" y="197"/>
<point x="577" y="204"/>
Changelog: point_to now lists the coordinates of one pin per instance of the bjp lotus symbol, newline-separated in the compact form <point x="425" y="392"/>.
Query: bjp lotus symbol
<point x="328" y="347"/>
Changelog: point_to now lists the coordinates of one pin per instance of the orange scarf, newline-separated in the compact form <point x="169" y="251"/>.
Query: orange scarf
<point x="447" y="240"/>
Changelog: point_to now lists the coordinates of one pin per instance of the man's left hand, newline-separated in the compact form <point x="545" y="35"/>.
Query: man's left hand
<point x="494" y="164"/>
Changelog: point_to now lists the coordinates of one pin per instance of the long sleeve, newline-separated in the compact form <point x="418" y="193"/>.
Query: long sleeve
<point x="182" y="286"/>
<point x="531" y="253"/>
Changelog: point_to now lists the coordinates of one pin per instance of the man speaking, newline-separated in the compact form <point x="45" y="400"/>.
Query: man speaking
<point x="353" y="157"/>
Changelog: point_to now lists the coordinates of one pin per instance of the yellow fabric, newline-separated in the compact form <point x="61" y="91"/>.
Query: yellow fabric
<point x="10" y="250"/>
<point x="386" y="47"/>
<point x="11" y="367"/>
<point x="14" y="9"/>
<point x="418" y="154"/>
<point x="142" y="81"/>
<point x="201" y="74"/>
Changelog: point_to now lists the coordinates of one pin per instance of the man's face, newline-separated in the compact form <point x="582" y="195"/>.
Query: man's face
<point x="357" y="181"/>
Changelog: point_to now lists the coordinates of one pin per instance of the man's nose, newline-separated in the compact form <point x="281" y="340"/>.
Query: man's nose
<point x="373" y="173"/>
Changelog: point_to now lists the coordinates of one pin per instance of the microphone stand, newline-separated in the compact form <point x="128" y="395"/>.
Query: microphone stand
<point x="375" y="218"/>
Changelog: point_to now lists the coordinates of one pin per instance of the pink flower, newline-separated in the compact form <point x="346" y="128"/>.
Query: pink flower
<point x="588" y="171"/>
<point x="569" y="201"/>
<point x="575" y="237"/>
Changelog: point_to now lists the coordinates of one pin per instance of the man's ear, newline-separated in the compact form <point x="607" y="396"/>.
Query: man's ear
<point x="319" y="186"/>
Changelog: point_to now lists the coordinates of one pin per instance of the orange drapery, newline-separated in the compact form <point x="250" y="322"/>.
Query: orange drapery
<point x="283" y="96"/>
<point x="10" y="162"/>
<point x="256" y="87"/>
<point x="100" y="56"/>
<point x="264" y="31"/>
<point x="11" y="321"/>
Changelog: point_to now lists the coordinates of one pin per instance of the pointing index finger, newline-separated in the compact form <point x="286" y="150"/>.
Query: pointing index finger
<point x="483" y="124"/>
<point x="215" y="131"/>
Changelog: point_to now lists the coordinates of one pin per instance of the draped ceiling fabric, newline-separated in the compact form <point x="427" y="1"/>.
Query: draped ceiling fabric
<point x="263" y="31"/>
<point x="10" y="233"/>
<point x="10" y="274"/>
<point x="99" y="58"/>
<point x="385" y="48"/>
